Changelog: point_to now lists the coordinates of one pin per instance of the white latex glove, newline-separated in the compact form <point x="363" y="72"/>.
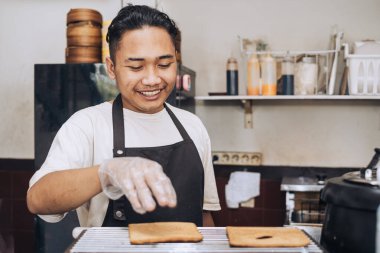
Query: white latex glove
<point x="139" y="179"/>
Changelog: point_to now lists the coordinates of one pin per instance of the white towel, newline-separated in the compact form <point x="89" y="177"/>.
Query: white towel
<point x="241" y="187"/>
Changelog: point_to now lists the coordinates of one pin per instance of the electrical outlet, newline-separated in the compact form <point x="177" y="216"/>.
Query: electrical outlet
<point x="237" y="158"/>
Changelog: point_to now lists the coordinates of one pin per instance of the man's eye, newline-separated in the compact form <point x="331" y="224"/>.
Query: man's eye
<point x="134" y="68"/>
<point x="164" y="66"/>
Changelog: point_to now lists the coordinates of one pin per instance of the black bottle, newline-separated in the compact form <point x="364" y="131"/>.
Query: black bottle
<point x="287" y="77"/>
<point x="232" y="77"/>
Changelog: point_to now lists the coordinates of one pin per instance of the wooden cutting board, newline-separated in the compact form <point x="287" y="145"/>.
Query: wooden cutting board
<point x="266" y="237"/>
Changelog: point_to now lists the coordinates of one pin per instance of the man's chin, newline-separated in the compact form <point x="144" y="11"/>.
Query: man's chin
<point x="153" y="107"/>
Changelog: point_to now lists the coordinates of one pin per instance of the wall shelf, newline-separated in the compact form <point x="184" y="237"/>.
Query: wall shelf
<point x="292" y="97"/>
<point x="248" y="100"/>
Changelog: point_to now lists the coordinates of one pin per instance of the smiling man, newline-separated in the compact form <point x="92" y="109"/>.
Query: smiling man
<point x="135" y="159"/>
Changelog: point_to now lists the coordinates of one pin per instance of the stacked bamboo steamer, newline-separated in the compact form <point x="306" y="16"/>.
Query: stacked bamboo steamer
<point x="84" y="36"/>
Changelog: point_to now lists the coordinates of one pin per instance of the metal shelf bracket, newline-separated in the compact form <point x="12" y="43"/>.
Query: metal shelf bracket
<point x="248" y="117"/>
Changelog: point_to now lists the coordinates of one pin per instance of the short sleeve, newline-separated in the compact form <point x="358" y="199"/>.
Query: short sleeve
<point x="71" y="149"/>
<point x="211" y="199"/>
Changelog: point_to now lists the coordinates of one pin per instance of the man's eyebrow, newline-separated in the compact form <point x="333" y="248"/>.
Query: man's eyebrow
<point x="167" y="56"/>
<point x="135" y="59"/>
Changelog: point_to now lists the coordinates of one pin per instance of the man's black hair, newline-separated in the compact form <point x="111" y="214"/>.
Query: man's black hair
<point x="133" y="17"/>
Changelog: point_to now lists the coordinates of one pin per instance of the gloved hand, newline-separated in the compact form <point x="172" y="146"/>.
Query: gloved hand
<point x="139" y="179"/>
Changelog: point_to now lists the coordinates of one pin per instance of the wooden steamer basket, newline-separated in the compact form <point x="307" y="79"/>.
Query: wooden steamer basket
<point x="84" y="36"/>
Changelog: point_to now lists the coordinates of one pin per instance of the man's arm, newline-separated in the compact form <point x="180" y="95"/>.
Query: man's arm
<point x="62" y="191"/>
<point x="207" y="219"/>
<point x="137" y="178"/>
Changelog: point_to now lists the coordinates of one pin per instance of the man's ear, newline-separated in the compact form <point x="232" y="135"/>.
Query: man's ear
<point x="177" y="56"/>
<point x="110" y="68"/>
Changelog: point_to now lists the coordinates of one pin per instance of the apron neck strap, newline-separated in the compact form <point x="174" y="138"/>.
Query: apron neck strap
<point x="118" y="126"/>
<point x="178" y="124"/>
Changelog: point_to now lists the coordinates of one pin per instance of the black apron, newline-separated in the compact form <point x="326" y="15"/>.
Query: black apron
<point x="181" y="163"/>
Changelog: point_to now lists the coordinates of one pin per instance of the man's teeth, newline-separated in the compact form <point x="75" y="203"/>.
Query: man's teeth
<point x="150" y="93"/>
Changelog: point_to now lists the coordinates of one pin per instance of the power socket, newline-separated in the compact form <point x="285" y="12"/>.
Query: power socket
<point x="236" y="158"/>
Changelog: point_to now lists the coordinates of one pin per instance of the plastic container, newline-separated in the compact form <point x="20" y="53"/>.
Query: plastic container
<point x="287" y="77"/>
<point x="268" y="76"/>
<point x="364" y="73"/>
<point x="253" y="76"/>
<point x="306" y="76"/>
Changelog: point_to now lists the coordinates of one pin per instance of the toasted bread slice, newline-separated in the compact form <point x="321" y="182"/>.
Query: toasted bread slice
<point x="266" y="237"/>
<point x="164" y="232"/>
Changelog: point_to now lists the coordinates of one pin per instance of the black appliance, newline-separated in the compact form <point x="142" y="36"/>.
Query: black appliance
<point x="185" y="88"/>
<point x="351" y="210"/>
<point x="60" y="91"/>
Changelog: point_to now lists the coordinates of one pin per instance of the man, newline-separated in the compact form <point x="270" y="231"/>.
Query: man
<point x="134" y="159"/>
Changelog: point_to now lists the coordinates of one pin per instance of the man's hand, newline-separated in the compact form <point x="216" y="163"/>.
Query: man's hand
<point x="139" y="179"/>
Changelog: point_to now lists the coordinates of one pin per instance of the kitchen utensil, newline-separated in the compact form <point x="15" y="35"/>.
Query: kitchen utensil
<point x="351" y="205"/>
<point x="84" y="36"/>
<point x="338" y="38"/>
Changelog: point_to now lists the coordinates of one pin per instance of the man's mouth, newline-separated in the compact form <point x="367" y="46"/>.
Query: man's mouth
<point x="150" y="93"/>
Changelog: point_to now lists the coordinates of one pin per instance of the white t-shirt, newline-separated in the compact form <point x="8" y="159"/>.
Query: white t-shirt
<point x="86" y="139"/>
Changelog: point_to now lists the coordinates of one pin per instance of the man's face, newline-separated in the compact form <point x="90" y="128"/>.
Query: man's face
<point x="144" y="69"/>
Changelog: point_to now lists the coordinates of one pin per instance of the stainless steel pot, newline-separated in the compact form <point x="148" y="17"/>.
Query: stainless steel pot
<point x="350" y="216"/>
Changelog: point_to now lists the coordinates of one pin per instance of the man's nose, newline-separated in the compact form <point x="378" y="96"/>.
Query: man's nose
<point x="151" y="77"/>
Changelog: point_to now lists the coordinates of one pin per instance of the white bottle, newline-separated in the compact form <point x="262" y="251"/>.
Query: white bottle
<point x="253" y="76"/>
<point x="268" y="76"/>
